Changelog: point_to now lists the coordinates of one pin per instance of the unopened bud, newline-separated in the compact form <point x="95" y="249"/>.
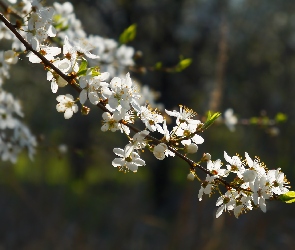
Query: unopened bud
<point x="191" y="148"/>
<point x="274" y="131"/>
<point x="142" y="70"/>
<point x="138" y="54"/>
<point x="206" y="157"/>
<point x="61" y="82"/>
<point x="85" y="110"/>
<point x="249" y="175"/>
<point x="62" y="148"/>
<point x="10" y="57"/>
<point x="190" y="176"/>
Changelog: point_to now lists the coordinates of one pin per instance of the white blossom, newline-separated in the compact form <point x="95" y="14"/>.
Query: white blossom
<point x="48" y="52"/>
<point x="124" y="55"/>
<point x="138" y="142"/>
<point x="62" y="13"/>
<point x="64" y="66"/>
<point x="277" y="181"/>
<point x="150" y="119"/>
<point x="40" y="27"/>
<point x="235" y="164"/>
<point x="94" y="87"/>
<point x="226" y="202"/>
<point x="206" y="186"/>
<point x="10" y="57"/>
<point x="184" y="115"/>
<point x="67" y="105"/>
<point x="4" y="68"/>
<point x="123" y="93"/>
<point x="230" y="119"/>
<point x="5" y="33"/>
<point x="161" y="150"/>
<point x="189" y="147"/>
<point x="112" y="121"/>
<point x="81" y="45"/>
<point x="131" y="161"/>
<point x="215" y="168"/>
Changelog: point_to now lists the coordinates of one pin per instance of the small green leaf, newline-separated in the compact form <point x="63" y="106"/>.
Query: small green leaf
<point x="95" y="71"/>
<point x="215" y="116"/>
<point x="128" y="34"/>
<point x="56" y="18"/>
<point x="183" y="64"/>
<point x="158" y="65"/>
<point x="281" y="117"/>
<point x="58" y="26"/>
<point x="82" y="73"/>
<point x="288" y="197"/>
<point x="58" y="23"/>
<point x="253" y="120"/>
<point x="209" y="115"/>
<point x="210" y="119"/>
<point x="83" y="68"/>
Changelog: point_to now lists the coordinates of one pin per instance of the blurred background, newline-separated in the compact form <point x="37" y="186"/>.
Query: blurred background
<point x="243" y="54"/>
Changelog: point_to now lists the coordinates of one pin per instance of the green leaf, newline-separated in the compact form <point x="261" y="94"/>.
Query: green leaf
<point x="158" y="65"/>
<point x="288" y="197"/>
<point x="128" y="34"/>
<point x="56" y="18"/>
<point x="183" y="64"/>
<point x="253" y="120"/>
<point x="95" y="71"/>
<point x="83" y="68"/>
<point x="281" y="117"/>
<point x="58" y="23"/>
<point x="210" y="119"/>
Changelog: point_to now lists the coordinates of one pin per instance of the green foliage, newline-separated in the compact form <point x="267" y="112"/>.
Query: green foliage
<point x="158" y="65"/>
<point x="95" y="71"/>
<point x="128" y="34"/>
<point x="83" y="68"/>
<point x="183" y="64"/>
<point x="260" y="120"/>
<point x="264" y="120"/>
<point x="253" y="120"/>
<point x="180" y="66"/>
<point x="288" y="197"/>
<point x="57" y="22"/>
<point x="53" y="171"/>
<point x="281" y="117"/>
<point x="210" y="119"/>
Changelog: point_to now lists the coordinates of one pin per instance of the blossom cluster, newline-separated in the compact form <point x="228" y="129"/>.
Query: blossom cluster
<point x="14" y="135"/>
<point x="252" y="185"/>
<point x="39" y="25"/>
<point x="98" y="68"/>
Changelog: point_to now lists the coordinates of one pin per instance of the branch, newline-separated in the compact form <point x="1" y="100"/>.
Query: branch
<point x="71" y="80"/>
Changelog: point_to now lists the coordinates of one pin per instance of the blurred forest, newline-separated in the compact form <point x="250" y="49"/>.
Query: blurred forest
<point x="243" y="55"/>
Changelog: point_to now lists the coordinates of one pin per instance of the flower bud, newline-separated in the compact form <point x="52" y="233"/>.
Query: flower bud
<point x="85" y="110"/>
<point x="206" y="157"/>
<point x="62" y="148"/>
<point x="10" y="57"/>
<point x="191" y="148"/>
<point x="190" y="176"/>
<point x="159" y="151"/>
<point x="61" y="82"/>
<point x="249" y="175"/>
